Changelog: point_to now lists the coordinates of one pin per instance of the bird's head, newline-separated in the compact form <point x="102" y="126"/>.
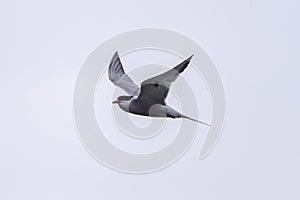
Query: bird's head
<point x="123" y="102"/>
<point x="122" y="99"/>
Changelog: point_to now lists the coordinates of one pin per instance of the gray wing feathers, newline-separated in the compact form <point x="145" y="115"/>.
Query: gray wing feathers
<point x="118" y="77"/>
<point x="157" y="88"/>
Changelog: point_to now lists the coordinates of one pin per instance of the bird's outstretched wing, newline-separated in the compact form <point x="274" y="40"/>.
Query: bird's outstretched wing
<point x="119" y="78"/>
<point x="155" y="89"/>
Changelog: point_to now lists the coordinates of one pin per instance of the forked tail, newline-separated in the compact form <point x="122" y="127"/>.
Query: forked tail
<point x="183" y="116"/>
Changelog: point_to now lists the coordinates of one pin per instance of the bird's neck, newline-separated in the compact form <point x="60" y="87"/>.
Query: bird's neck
<point x="124" y="106"/>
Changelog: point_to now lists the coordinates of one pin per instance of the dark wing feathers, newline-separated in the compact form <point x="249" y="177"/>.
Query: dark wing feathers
<point x="156" y="89"/>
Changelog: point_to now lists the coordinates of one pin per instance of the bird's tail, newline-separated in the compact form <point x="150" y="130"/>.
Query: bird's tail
<point x="183" y="116"/>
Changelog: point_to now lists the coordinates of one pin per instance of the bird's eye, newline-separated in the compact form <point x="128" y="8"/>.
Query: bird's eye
<point x="156" y="85"/>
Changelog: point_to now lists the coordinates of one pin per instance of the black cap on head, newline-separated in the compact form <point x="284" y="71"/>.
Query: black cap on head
<point x="124" y="98"/>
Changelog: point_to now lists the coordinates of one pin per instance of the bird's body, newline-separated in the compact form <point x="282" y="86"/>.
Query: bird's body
<point x="149" y="99"/>
<point x="145" y="108"/>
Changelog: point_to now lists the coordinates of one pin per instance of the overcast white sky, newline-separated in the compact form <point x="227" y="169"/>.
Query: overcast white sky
<point x="255" y="46"/>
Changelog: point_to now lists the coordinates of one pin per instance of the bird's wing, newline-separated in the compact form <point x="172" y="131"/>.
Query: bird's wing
<point x="156" y="89"/>
<point x="118" y="77"/>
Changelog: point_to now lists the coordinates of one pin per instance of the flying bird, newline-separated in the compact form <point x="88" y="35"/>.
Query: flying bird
<point x="149" y="99"/>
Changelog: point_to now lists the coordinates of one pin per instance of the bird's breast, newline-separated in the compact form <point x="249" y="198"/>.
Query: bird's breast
<point x="139" y="107"/>
<point x="145" y="108"/>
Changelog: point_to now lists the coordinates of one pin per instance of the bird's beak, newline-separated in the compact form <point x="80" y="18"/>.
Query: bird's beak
<point x="116" y="101"/>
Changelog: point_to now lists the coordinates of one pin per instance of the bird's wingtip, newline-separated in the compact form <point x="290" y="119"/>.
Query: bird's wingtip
<point x="115" y="56"/>
<point x="190" y="58"/>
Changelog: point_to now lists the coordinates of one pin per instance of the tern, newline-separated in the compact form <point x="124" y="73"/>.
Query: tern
<point x="149" y="99"/>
